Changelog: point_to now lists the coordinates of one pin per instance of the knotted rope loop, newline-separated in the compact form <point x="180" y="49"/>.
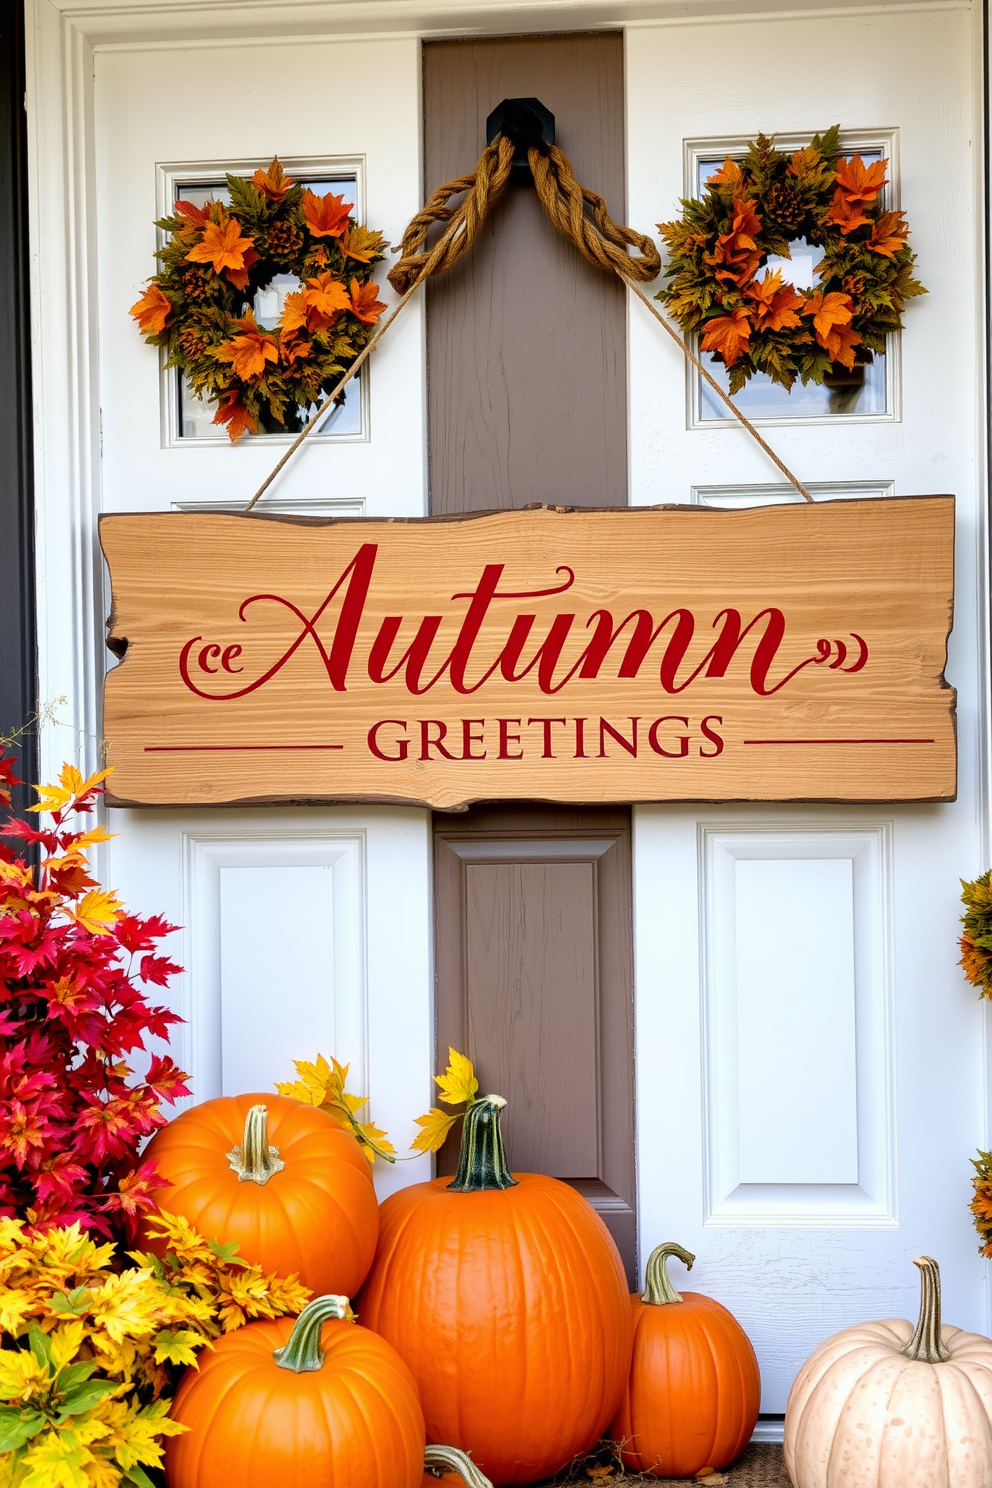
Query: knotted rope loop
<point x="581" y="216"/>
<point x="482" y="188"/>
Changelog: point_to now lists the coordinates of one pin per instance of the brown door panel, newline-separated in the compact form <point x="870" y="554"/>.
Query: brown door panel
<point x="526" y="341"/>
<point x="534" y="982"/>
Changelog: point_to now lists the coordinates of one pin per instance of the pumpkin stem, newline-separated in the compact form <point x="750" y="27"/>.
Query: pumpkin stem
<point x="926" y="1343"/>
<point x="255" y="1161"/>
<point x="482" y="1161"/>
<point x="658" y="1287"/>
<point x="303" y="1351"/>
<point x="456" y="1461"/>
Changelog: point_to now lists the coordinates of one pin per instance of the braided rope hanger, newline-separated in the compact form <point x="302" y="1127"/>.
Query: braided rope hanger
<point x="579" y="215"/>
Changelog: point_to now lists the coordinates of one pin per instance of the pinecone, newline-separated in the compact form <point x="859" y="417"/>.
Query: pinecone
<point x="283" y="242"/>
<point x="196" y="284"/>
<point x="783" y="207"/>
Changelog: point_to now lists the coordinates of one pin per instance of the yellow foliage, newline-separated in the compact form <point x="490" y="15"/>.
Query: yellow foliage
<point x="458" y="1086"/>
<point x="91" y="1345"/>
<point x="322" y="1084"/>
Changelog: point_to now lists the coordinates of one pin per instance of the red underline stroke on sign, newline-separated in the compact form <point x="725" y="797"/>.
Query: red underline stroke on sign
<point x="840" y="741"/>
<point x="186" y="748"/>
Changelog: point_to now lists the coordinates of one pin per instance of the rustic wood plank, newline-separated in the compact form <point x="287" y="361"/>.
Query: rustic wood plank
<point x="776" y="653"/>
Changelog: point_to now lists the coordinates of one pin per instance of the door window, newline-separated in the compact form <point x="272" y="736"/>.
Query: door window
<point x="866" y="392"/>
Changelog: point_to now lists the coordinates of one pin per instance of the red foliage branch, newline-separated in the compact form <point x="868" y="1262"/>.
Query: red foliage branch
<point x="73" y="968"/>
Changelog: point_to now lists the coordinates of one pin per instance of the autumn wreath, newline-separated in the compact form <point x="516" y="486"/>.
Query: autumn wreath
<point x="200" y="304"/>
<point x="759" y="206"/>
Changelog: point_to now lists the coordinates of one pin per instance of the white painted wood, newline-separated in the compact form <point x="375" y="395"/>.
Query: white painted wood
<point x="798" y="1259"/>
<point x="796" y="1049"/>
<point x="320" y="919"/>
<point x="768" y="1075"/>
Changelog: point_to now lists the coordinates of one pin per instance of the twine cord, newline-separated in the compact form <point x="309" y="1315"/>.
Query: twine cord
<point x="579" y="214"/>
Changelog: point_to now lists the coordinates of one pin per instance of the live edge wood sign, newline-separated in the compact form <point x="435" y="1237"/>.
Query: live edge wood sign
<point x="642" y="654"/>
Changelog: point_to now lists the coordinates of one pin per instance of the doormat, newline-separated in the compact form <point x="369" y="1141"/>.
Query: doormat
<point x="762" y="1466"/>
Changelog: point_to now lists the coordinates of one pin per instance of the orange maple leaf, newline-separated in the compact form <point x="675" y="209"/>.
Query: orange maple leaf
<point x="152" y="312"/>
<point x="858" y="182"/>
<point x="728" y="335"/>
<point x="315" y="307"/>
<point x="889" y="234"/>
<point x="846" y="213"/>
<point x="222" y="246"/>
<point x="736" y="254"/>
<point x="236" y="416"/>
<point x="364" y="305"/>
<point x="829" y="310"/>
<point x="326" y="216"/>
<point x="729" y="174"/>
<point x="193" y="217"/>
<point x="249" y="351"/>
<point x="239" y="277"/>
<point x="832" y="314"/>
<point x="774" y="303"/>
<point x="272" y="183"/>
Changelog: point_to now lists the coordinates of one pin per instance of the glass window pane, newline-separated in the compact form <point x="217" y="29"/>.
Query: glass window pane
<point x="842" y="395"/>
<point x="196" y="417"/>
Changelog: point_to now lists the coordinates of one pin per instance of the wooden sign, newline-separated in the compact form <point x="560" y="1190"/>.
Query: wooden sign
<point x="642" y="654"/>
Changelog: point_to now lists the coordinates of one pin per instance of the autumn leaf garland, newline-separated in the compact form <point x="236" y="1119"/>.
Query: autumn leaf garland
<point x="200" y="305"/>
<point x="752" y="209"/>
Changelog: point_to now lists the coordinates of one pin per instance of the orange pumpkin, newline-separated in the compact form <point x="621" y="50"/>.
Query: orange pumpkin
<point x="694" y="1389"/>
<point x="304" y="1204"/>
<point x="296" y="1403"/>
<point x="506" y="1298"/>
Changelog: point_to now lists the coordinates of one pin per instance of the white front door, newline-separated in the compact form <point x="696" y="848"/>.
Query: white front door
<point x="810" y="1062"/>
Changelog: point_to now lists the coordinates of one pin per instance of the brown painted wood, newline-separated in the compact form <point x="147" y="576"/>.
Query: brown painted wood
<point x="848" y="703"/>
<point x="533" y="928"/>
<point x="526" y="342"/>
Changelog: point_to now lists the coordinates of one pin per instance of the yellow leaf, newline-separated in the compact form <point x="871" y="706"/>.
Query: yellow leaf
<point x="435" y="1126"/>
<point x="458" y="1083"/>
<point x="97" y="911"/>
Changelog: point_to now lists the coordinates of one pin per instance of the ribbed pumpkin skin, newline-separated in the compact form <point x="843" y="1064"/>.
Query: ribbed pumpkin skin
<point x="861" y="1415"/>
<point x="694" y="1389"/>
<point x="318" y="1216"/>
<point x="355" y="1423"/>
<point x="510" y="1307"/>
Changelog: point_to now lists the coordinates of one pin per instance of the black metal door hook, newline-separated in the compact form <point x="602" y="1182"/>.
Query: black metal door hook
<point x="525" y="121"/>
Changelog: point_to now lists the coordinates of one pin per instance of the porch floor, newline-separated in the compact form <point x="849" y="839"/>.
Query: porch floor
<point x="762" y="1466"/>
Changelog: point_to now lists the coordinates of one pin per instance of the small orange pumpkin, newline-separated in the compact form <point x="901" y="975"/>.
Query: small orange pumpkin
<point x="296" y="1402"/>
<point x="505" y="1295"/>
<point x="303" y="1204"/>
<point x="694" y="1389"/>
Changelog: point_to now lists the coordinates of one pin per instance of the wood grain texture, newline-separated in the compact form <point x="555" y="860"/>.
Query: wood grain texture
<point x="775" y="653"/>
<point x="526" y="341"/>
<point x="534" y="968"/>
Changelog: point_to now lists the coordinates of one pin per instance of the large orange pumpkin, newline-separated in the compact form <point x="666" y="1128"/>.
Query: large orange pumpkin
<point x="506" y="1298"/>
<point x="317" y="1400"/>
<point x="694" y="1389"/>
<point x="284" y="1180"/>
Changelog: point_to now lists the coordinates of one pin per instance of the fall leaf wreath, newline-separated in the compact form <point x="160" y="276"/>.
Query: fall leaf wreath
<point x="759" y="206"/>
<point x="200" y="304"/>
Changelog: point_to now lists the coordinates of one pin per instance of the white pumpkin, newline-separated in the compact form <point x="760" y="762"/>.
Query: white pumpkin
<point x="884" y="1406"/>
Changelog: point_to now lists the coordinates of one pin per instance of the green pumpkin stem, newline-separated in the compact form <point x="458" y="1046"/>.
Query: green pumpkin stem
<point x="482" y="1161"/>
<point x="658" y="1287"/>
<point x="255" y="1161"/>
<point x="455" y="1461"/>
<point x="926" y="1343"/>
<point x="303" y="1351"/>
